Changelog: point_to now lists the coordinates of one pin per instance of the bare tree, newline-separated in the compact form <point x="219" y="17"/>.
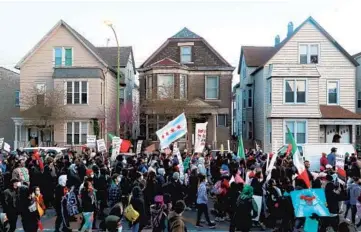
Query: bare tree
<point x="42" y="108"/>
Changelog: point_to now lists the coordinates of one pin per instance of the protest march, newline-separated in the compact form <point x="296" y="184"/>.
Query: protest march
<point x="112" y="189"/>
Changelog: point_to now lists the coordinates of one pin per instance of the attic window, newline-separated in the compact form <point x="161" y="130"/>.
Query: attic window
<point x="186" y="54"/>
<point x="309" y="53"/>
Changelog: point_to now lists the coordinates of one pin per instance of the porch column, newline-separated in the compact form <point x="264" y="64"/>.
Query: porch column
<point x="214" y="131"/>
<point x="146" y="127"/>
<point x="16" y="137"/>
<point x="20" y="130"/>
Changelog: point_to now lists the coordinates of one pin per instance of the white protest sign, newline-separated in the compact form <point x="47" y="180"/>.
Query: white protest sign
<point x="7" y="147"/>
<point x="258" y="200"/>
<point x="200" y="137"/>
<point x="139" y="146"/>
<point x="1" y="143"/>
<point x="270" y="167"/>
<point x="340" y="159"/>
<point x="180" y="160"/>
<point x="116" y="142"/>
<point x="229" y="146"/>
<point x="101" y="145"/>
<point x="91" y="140"/>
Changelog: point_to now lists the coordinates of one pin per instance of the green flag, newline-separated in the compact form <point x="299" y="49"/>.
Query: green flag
<point x="110" y="136"/>
<point x="240" y="151"/>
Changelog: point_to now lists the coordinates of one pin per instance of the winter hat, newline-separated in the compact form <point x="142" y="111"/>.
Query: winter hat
<point x="89" y="172"/>
<point x="62" y="180"/>
<point x="161" y="171"/>
<point x="176" y="176"/>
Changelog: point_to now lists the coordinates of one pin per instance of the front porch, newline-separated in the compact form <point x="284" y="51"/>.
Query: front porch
<point x="27" y="135"/>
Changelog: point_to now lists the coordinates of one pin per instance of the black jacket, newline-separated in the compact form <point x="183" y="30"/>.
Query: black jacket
<point x="10" y="201"/>
<point x="87" y="201"/>
<point x="138" y="205"/>
<point x="332" y="198"/>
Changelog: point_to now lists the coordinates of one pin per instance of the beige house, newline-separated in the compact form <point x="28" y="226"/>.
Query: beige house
<point x="67" y="88"/>
<point x="305" y="83"/>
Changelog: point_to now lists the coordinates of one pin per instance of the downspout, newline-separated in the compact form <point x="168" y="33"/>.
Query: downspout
<point x="253" y="121"/>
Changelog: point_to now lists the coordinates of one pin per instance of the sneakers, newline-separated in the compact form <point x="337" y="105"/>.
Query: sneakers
<point x="219" y="219"/>
<point x="188" y="209"/>
<point x="199" y="226"/>
<point x="212" y="225"/>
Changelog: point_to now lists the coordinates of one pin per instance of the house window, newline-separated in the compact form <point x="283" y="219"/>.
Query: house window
<point x="249" y="98"/>
<point x="332" y="92"/>
<point x="212" y="87"/>
<point x="183" y="86"/>
<point x="269" y="128"/>
<point x="76" y="92"/>
<point x="295" y="91"/>
<point x="76" y="133"/>
<point x="40" y="95"/>
<point x="101" y="93"/>
<point x="309" y="53"/>
<point x="186" y="54"/>
<point x="244" y="99"/>
<point x="17" y="98"/>
<point x="270" y="91"/>
<point x="165" y="86"/>
<point x="63" y="56"/>
<point x="298" y="130"/>
<point x="121" y="95"/>
<point x="358" y="99"/>
<point x="149" y="87"/>
<point x="250" y="130"/>
<point x="222" y="120"/>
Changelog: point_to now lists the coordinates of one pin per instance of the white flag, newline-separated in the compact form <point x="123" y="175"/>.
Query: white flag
<point x="200" y="137"/>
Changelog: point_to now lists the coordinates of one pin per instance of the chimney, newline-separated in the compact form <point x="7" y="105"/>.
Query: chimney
<point x="277" y="40"/>
<point x="289" y="29"/>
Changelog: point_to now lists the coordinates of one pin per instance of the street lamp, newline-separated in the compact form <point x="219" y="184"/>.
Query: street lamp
<point x="110" y="24"/>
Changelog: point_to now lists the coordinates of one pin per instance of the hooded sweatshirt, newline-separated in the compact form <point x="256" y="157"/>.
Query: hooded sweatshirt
<point x="175" y="223"/>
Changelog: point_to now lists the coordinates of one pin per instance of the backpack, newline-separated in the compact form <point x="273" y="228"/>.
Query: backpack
<point x="72" y="204"/>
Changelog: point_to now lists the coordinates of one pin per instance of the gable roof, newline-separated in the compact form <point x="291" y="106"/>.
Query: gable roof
<point x="104" y="56"/>
<point x="357" y="55"/>
<point x="8" y="70"/>
<point x="255" y="56"/>
<point x="184" y="35"/>
<point x="322" y="30"/>
<point x="110" y="55"/>
<point x="337" y="112"/>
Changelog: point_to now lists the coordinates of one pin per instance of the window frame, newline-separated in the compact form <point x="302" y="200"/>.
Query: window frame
<point x="295" y="91"/>
<point x="205" y="89"/>
<point x="72" y="132"/>
<point x="181" y="54"/>
<point x="309" y="53"/>
<point x="185" y="87"/>
<point x="17" y="98"/>
<point x="225" y="120"/>
<point x="63" y="60"/>
<point x="149" y="87"/>
<point x="73" y="92"/>
<point x="173" y="85"/>
<point x="359" y="99"/>
<point x="295" y="131"/>
<point x="338" y="92"/>
<point x="249" y="97"/>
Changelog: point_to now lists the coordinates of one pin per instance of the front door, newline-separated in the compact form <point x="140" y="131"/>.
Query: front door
<point x="345" y="133"/>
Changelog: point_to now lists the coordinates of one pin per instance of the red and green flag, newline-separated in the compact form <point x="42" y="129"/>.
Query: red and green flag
<point x="297" y="160"/>
<point x="240" y="151"/>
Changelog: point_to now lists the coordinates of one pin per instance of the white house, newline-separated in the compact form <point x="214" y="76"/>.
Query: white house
<point x="306" y="83"/>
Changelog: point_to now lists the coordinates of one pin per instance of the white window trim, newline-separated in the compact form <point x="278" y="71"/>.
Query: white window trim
<point x="338" y="92"/>
<point x="180" y="53"/>
<point x="205" y="89"/>
<point x="63" y="56"/>
<point x="72" y="132"/>
<point x="295" y="92"/>
<point x="247" y="98"/>
<point x="80" y="92"/>
<point x="225" y="121"/>
<point x="165" y="74"/>
<point x="295" y="121"/>
<point x="308" y="53"/>
<point x="185" y="86"/>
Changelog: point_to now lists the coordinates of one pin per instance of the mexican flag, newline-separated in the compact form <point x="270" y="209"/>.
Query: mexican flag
<point x="297" y="160"/>
<point x="240" y="151"/>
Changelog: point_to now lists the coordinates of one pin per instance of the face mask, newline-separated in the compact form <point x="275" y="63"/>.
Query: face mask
<point x="120" y="229"/>
<point x="37" y="193"/>
<point x="141" y="177"/>
<point x="84" y="161"/>
<point x="119" y="178"/>
<point x="18" y="184"/>
<point x="92" y="175"/>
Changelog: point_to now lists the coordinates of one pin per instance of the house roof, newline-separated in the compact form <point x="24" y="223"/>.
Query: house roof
<point x="322" y="30"/>
<point x="185" y="33"/>
<point x="357" y="55"/>
<point x="105" y="56"/>
<point x="78" y="72"/>
<point x="110" y="55"/>
<point x="256" y="56"/>
<point x="337" y="112"/>
<point x="8" y="70"/>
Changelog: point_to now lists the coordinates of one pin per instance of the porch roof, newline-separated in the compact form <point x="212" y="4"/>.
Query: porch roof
<point x="337" y="112"/>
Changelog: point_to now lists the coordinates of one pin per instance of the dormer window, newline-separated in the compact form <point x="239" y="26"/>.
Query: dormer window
<point x="186" y="54"/>
<point x="309" y="53"/>
<point x="63" y="56"/>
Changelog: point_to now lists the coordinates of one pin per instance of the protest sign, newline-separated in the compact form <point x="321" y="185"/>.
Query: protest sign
<point x="1" y="143"/>
<point x="116" y="142"/>
<point x="7" y="147"/>
<point x="200" y="137"/>
<point x="101" y="145"/>
<point x="308" y="201"/>
<point x="91" y="141"/>
<point x="139" y="146"/>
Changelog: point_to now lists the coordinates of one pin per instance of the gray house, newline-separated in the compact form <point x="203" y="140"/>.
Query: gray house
<point x="9" y="103"/>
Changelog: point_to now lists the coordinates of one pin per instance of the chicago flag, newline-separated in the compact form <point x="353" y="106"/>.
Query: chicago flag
<point x="172" y="131"/>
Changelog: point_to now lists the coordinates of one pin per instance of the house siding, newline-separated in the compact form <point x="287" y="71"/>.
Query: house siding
<point x="358" y="82"/>
<point x="259" y="110"/>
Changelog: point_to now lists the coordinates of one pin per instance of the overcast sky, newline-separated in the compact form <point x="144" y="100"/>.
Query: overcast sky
<point x="146" y="25"/>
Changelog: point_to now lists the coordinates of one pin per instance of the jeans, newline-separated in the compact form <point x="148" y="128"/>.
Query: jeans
<point x="202" y="208"/>
<point x="88" y="218"/>
<point x="353" y="213"/>
<point x="13" y="218"/>
<point x="135" y="227"/>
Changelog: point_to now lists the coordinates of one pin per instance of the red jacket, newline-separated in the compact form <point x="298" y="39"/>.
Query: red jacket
<point x="323" y="161"/>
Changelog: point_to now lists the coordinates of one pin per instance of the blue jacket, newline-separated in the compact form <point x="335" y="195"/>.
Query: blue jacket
<point x="354" y="192"/>
<point x="331" y="158"/>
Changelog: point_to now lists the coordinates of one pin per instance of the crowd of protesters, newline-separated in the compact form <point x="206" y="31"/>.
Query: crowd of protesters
<point x="94" y="190"/>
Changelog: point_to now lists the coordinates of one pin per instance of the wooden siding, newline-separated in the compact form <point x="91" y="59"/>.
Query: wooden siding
<point x="259" y="107"/>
